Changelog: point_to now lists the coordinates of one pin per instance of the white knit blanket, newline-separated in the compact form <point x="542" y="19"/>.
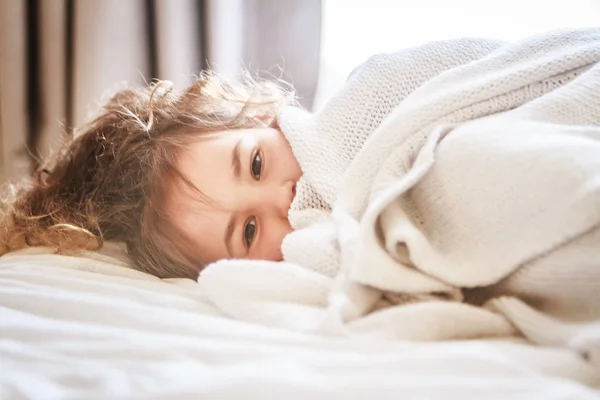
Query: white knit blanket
<point x="450" y="191"/>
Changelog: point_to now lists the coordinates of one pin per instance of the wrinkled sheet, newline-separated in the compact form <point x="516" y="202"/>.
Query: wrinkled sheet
<point x="89" y="327"/>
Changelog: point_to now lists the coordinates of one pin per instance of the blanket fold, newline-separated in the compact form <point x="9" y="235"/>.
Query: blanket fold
<point x="460" y="167"/>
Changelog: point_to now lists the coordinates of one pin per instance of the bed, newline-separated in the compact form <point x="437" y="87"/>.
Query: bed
<point x="88" y="326"/>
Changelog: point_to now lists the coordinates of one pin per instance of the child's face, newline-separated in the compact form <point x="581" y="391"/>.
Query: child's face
<point x="249" y="177"/>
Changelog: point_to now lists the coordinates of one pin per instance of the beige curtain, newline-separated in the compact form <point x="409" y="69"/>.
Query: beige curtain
<point x="13" y="90"/>
<point x="60" y="58"/>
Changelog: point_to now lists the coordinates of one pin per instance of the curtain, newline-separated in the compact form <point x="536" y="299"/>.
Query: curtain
<point x="59" y="59"/>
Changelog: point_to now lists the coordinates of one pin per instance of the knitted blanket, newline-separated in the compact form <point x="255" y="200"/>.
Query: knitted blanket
<point x="450" y="191"/>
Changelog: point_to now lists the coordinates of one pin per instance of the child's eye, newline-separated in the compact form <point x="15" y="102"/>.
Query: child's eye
<point x="249" y="232"/>
<point x="256" y="165"/>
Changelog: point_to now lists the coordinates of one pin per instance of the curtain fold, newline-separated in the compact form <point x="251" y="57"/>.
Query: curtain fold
<point x="53" y="74"/>
<point x="180" y="43"/>
<point x="280" y="38"/>
<point x="13" y="90"/>
<point x="110" y="49"/>
<point x="60" y="59"/>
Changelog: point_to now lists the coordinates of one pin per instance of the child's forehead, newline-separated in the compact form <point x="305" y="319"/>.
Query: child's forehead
<point x="210" y="152"/>
<point x="199" y="191"/>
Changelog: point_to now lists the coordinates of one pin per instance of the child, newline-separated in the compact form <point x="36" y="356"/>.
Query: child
<point x="162" y="172"/>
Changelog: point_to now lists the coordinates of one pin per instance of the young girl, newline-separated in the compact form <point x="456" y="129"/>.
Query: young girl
<point x="182" y="179"/>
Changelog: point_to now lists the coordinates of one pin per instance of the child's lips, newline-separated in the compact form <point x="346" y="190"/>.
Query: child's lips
<point x="294" y="190"/>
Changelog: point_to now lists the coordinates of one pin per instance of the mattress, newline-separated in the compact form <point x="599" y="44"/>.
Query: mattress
<point x="90" y="327"/>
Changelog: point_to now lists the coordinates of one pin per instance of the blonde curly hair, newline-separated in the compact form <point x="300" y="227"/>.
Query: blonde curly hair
<point x="106" y="184"/>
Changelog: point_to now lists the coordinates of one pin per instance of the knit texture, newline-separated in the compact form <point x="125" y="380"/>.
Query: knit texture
<point x="458" y="179"/>
<point x="326" y="144"/>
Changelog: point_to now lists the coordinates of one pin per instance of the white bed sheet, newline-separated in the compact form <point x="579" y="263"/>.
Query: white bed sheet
<point x="91" y="328"/>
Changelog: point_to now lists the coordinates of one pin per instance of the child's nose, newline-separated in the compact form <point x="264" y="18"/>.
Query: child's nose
<point x="279" y="198"/>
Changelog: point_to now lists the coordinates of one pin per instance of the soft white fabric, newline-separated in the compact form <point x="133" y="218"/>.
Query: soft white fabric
<point x="486" y="175"/>
<point x="326" y="144"/>
<point x="91" y="328"/>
